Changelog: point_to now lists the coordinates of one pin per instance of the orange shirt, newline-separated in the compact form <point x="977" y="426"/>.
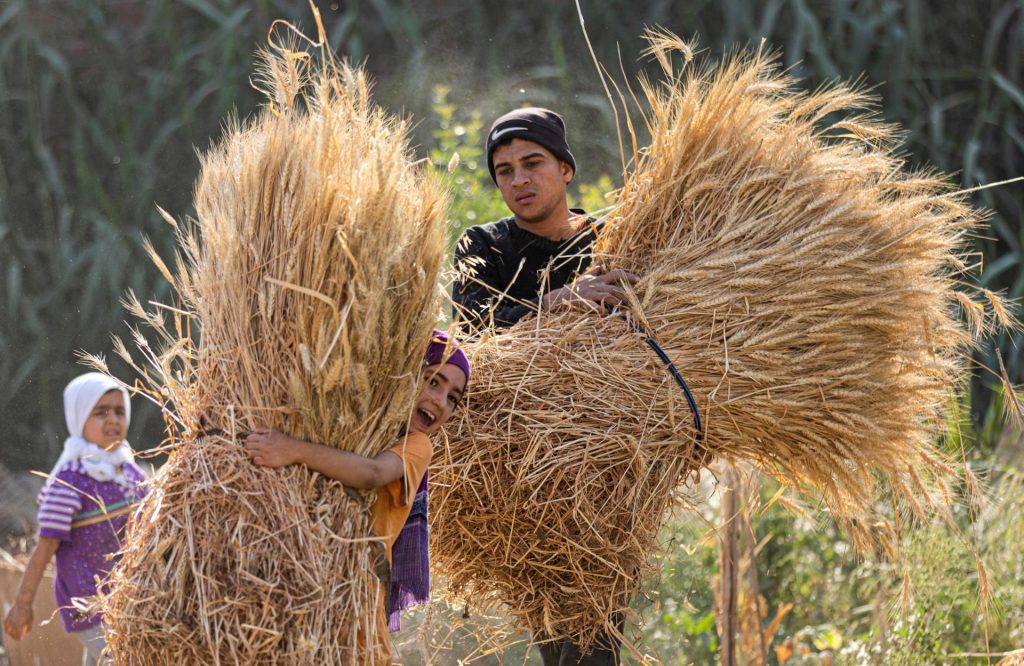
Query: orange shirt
<point x="394" y="501"/>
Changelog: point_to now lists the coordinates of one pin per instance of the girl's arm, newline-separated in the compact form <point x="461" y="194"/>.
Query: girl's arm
<point x="271" y="448"/>
<point x="19" y="619"/>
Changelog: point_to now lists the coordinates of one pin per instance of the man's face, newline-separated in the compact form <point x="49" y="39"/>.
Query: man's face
<point x="531" y="179"/>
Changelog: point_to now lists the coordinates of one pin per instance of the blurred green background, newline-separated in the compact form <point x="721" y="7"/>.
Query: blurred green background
<point x="104" y="103"/>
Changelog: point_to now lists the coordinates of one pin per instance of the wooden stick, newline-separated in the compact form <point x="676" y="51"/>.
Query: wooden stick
<point x="728" y="569"/>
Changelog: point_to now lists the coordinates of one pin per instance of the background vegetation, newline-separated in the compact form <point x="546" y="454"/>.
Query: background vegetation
<point x="103" y="104"/>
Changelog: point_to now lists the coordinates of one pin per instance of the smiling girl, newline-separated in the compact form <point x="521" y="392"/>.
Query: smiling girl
<point x="400" y="510"/>
<point x="83" y="508"/>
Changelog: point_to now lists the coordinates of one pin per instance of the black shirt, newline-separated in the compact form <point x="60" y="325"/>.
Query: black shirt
<point x="511" y="269"/>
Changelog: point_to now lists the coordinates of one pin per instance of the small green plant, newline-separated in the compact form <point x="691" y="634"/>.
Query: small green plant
<point x="459" y="151"/>
<point x="679" y="611"/>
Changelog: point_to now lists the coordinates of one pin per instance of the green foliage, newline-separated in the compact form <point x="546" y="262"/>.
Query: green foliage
<point x="680" y="611"/>
<point x="1002" y="540"/>
<point x="594" y="197"/>
<point x="850" y="608"/>
<point x="939" y="569"/>
<point x="475" y="199"/>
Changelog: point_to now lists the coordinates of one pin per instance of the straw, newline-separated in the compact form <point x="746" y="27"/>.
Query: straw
<point x="307" y="291"/>
<point x="806" y="285"/>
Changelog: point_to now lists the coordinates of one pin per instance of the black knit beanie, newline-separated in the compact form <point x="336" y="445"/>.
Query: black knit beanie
<point x="533" y="124"/>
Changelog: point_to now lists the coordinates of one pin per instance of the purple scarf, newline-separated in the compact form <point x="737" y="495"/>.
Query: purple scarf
<point x="410" y="560"/>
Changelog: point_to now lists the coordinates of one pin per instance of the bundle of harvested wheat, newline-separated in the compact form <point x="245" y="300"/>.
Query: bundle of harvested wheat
<point x="235" y="565"/>
<point x="311" y="273"/>
<point x="803" y="283"/>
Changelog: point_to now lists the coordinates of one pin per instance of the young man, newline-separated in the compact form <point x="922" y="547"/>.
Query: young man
<point x="536" y="259"/>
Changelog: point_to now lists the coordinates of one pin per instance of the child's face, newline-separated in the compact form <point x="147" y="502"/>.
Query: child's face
<point x="439" y="395"/>
<point x="107" y="424"/>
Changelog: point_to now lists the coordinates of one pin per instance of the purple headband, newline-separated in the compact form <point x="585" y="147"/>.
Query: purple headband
<point x="439" y="346"/>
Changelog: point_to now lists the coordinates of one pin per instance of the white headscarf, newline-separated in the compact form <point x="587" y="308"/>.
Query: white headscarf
<point x="80" y="396"/>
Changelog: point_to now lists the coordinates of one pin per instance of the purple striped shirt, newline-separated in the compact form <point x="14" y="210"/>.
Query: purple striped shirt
<point x="82" y="556"/>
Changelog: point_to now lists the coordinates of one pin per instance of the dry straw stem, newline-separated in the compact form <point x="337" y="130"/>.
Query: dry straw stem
<point x="228" y="564"/>
<point x="806" y="286"/>
<point x="310" y="274"/>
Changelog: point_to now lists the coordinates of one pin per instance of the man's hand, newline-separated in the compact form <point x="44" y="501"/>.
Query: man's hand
<point x="19" y="620"/>
<point x="594" y="291"/>
<point x="271" y="448"/>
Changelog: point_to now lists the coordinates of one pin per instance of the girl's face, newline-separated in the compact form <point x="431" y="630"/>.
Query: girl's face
<point x="439" y="396"/>
<point x="107" y="424"/>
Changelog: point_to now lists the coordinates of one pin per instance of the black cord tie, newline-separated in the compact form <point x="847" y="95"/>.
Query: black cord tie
<point x="653" y="344"/>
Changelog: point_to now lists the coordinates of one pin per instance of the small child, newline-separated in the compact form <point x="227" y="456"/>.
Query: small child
<point x="400" y="513"/>
<point x="83" y="508"/>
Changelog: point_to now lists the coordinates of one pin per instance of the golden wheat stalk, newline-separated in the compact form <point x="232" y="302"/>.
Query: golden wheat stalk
<point x="308" y="290"/>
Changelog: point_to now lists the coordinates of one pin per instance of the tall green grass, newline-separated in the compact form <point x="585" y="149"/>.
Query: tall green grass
<point x="101" y="105"/>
